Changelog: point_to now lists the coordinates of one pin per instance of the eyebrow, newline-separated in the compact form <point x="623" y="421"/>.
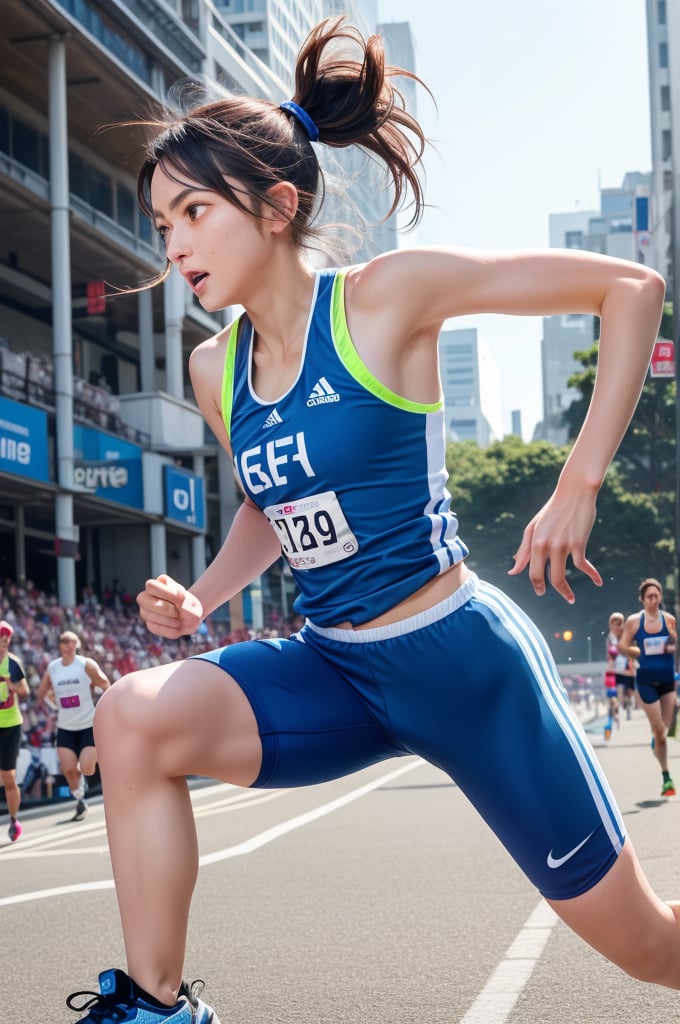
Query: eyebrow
<point x="175" y="202"/>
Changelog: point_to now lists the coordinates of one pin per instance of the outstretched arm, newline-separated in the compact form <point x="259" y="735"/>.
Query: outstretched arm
<point x="630" y="316"/>
<point x="404" y="298"/>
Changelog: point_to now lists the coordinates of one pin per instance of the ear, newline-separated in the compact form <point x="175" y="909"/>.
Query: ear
<point x="284" y="198"/>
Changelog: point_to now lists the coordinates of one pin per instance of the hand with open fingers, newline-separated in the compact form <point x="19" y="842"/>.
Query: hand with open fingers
<point x="168" y="609"/>
<point x="558" y="531"/>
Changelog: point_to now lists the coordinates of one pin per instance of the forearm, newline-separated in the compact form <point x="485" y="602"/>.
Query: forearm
<point x="250" y="548"/>
<point x="630" y="318"/>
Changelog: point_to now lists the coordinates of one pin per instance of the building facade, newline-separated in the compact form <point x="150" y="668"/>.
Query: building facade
<point x="107" y="470"/>
<point x="620" y="228"/>
<point x="663" y="37"/>
<point x="471" y="386"/>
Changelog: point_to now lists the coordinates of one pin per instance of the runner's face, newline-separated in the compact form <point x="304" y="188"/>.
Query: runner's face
<point x="216" y="246"/>
<point x="651" y="600"/>
<point x="67" y="648"/>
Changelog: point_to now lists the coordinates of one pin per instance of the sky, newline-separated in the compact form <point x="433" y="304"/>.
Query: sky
<point x="539" y="104"/>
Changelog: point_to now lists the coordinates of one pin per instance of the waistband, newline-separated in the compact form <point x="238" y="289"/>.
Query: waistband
<point x="403" y="626"/>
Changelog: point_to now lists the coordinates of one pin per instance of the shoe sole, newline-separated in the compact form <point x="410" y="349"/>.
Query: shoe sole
<point x="205" y="1015"/>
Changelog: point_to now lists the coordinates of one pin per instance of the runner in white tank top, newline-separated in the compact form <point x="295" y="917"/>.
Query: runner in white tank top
<point x="72" y="680"/>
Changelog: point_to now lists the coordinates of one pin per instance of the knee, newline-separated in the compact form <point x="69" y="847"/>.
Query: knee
<point x="113" y="714"/>
<point x="659" y="732"/>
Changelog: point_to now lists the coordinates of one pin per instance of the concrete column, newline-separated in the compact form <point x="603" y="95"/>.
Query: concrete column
<point x="159" y="554"/>
<point x="20" y="543"/>
<point x="174" y="296"/>
<point x="198" y="542"/>
<point x="61" y="312"/>
<point x="147" y="359"/>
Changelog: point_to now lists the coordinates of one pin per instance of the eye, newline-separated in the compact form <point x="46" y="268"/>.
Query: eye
<point x="194" y="210"/>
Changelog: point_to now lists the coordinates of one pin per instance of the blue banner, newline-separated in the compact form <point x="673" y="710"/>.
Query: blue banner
<point x="108" y="467"/>
<point x="184" y="497"/>
<point x="23" y="440"/>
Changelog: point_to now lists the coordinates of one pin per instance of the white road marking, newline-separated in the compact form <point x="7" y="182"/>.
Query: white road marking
<point x="249" y="846"/>
<point x="494" y="1003"/>
<point x="45" y="844"/>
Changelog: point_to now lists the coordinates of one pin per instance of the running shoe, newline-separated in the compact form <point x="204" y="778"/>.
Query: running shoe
<point x="81" y="811"/>
<point x="119" y="1002"/>
<point x="15" y="831"/>
<point x="668" y="788"/>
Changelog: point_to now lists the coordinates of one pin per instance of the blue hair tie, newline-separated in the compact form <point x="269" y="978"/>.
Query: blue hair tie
<point x="303" y="117"/>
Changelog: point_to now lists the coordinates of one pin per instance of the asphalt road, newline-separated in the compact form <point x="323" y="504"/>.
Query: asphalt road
<point x="379" y="898"/>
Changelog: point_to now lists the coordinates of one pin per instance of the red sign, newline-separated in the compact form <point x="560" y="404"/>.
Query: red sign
<point x="663" y="359"/>
<point x="96" y="297"/>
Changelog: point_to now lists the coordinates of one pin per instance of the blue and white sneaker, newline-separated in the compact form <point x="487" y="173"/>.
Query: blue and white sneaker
<point x="119" y="1002"/>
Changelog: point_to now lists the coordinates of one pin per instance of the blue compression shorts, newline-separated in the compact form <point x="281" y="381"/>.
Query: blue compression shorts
<point x="468" y="685"/>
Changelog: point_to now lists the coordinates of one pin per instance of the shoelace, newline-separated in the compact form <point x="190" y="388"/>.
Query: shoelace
<point x="105" y="1008"/>
<point x="192" y="991"/>
<point x="101" y="1007"/>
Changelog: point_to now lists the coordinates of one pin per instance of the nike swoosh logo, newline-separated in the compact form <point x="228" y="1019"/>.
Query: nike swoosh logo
<point x="557" y="862"/>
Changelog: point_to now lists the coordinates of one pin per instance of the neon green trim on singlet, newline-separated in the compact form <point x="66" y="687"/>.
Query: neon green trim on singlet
<point x="353" y="362"/>
<point x="228" y="376"/>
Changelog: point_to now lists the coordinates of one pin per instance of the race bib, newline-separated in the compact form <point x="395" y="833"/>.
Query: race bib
<point x="70" y="702"/>
<point x="312" y="531"/>
<point x="655" y="644"/>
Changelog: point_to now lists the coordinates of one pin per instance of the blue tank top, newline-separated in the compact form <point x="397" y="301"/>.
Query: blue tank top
<point x="351" y="476"/>
<point x="655" y="665"/>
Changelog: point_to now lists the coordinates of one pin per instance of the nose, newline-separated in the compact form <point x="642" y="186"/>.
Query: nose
<point x="177" y="246"/>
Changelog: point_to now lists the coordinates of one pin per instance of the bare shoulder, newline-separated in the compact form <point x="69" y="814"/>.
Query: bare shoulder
<point x="206" y="356"/>
<point x="368" y="282"/>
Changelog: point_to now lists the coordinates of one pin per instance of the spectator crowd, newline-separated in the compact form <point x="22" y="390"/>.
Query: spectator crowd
<point x="111" y="632"/>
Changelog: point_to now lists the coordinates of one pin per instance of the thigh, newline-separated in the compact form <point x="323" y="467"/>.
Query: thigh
<point x="186" y="718"/>
<point x="668" y="703"/>
<point x="312" y="723"/>
<point x="487" y="705"/>
<point x="68" y="758"/>
<point x="88" y="754"/>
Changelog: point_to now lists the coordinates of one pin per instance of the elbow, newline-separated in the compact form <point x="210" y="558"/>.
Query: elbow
<point x="654" y="286"/>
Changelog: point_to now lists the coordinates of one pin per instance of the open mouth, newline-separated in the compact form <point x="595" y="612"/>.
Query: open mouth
<point x="197" y="278"/>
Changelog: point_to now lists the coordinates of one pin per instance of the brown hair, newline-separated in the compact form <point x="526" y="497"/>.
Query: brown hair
<point x="646" y="584"/>
<point x="351" y="100"/>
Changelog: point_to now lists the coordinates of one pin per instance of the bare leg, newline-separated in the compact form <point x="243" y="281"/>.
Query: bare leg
<point x="152" y="728"/>
<point x="68" y="762"/>
<point x="12" y="792"/>
<point x="668" y="702"/>
<point x="659" y="732"/>
<point x="622" y="918"/>
<point x="88" y="760"/>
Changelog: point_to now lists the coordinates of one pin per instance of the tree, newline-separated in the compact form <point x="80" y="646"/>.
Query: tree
<point x="646" y="456"/>
<point x="497" y="490"/>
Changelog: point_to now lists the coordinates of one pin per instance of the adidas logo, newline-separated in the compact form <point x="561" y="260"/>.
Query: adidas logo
<point x="321" y="393"/>
<point x="272" y="419"/>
